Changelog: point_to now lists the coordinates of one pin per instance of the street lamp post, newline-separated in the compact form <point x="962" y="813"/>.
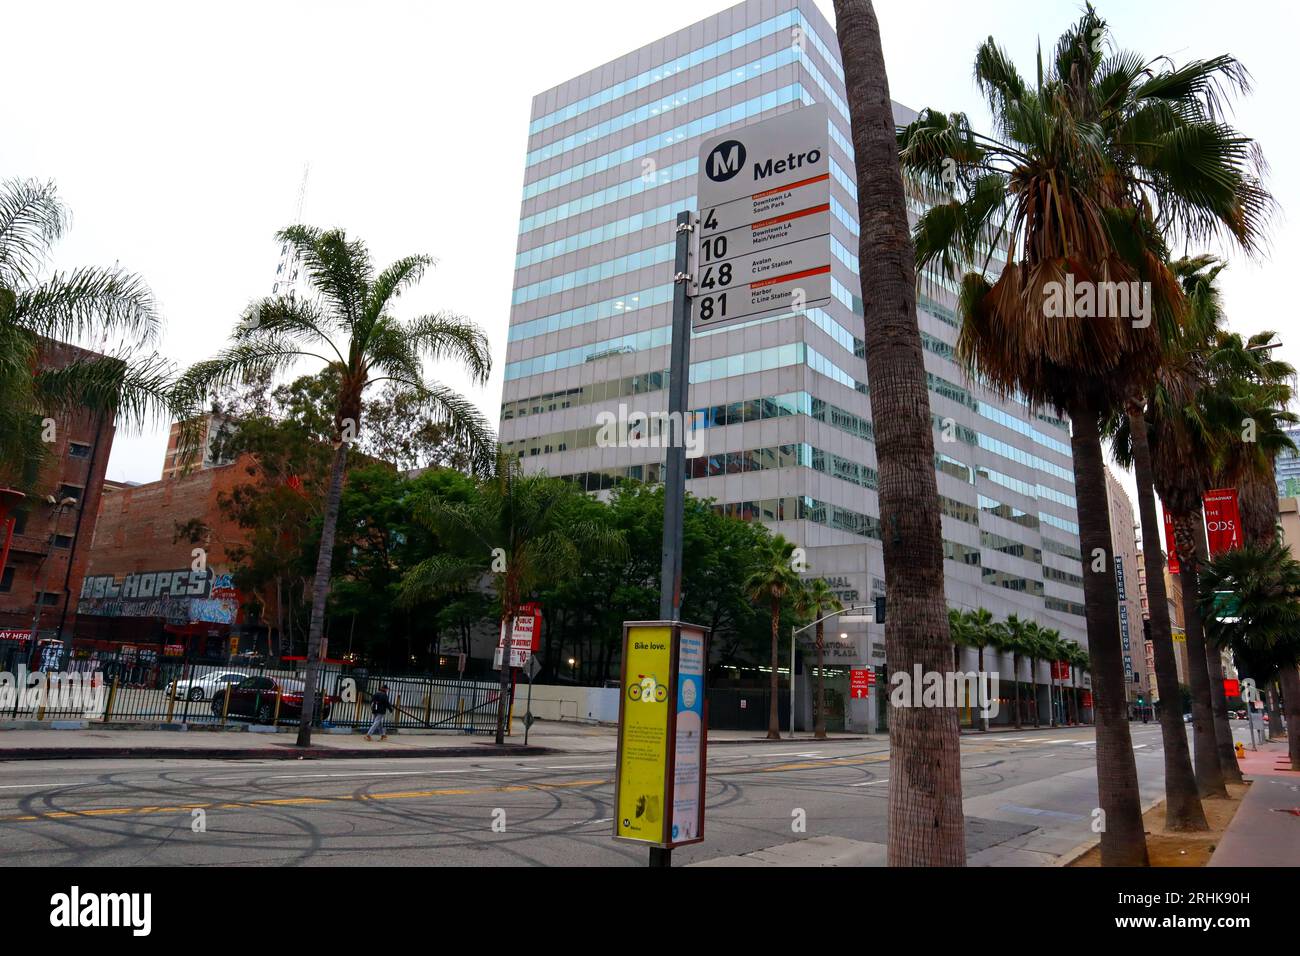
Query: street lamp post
<point x="795" y="630"/>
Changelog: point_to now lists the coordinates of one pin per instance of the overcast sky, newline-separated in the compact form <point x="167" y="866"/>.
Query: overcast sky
<point x="178" y="132"/>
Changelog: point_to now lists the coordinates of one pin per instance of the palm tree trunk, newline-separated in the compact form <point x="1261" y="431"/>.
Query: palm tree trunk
<point x="320" y="591"/>
<point x="1290" y="679"/>
<point x="1123" y="841"/>
<point x="1015" y="667"/>
<point x="1183" y="810"/>
<point x="1209" y="772"/>
<point x="926" y="825"/>
<point x="819" y="706"/>
<point x="1274" y="711"/>
<point x="1218" y="697"/>
<point x="503" y="690"/>
<point x="984" y="721"/>
<point x="773" y="713"/>
<point x="279" y="617"/>
<point x="1033" y="681"/>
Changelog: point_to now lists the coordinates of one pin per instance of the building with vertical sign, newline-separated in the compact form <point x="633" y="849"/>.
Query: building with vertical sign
<point x="783" y="400"/>
<point x="1125" y="532"/>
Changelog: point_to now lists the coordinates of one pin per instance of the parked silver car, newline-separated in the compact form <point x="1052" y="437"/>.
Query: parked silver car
<point x="204" y="686"/>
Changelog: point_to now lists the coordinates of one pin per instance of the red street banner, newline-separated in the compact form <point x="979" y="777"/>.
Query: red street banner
<point x="1060" y="670"/>
<point x="1222" y="520"/>
<point x="1170" y="546"/>
<point x="1231" y="688"/>
<point x="1087" y="698"/>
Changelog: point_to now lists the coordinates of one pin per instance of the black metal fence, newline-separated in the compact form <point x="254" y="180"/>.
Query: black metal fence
<point x="210" y="694"/>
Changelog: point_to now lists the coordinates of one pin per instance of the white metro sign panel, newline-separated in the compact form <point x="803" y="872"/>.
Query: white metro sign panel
<point x="764" y="233"/>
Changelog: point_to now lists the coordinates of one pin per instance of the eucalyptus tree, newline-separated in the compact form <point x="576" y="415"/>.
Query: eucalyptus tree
<point x="349" y="324"/>
<point x="1089" y="167"/>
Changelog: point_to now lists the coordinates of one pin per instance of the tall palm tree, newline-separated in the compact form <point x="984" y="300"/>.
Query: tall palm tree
<point x="926" y="825"/>
<point x="1089" y="167"/>
<point x="1265" y="634"/>
<point x="962" y="633"/>
<point x="813" y="600"/>
<point x="772" y="582"/>
<point x="1038" y="646"/>
<point x="100" y="309"/>
<point x="1055" y="651"/>
<point x="523" y="532"/>
<point x="350" y="326"/>
<point x="987" y="633"/>
<point x="1018" y="642"/>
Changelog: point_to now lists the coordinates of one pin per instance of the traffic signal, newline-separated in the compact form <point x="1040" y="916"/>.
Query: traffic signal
<point x="1141" y="702"/>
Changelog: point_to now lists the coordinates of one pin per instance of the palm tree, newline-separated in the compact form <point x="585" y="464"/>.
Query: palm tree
<point x="350" y="326"/>
<point x="1089" y="168"/>
<point x="961" y="631"/>
<point x="522" y="530"/>
<point x="772" y="582"/>
<point x="1265" y="634"/>
<point x="1055" y="651"/>
<point x="814" y="599"/>
<point x="39" y="308"/>
<point x="1038" y="646"/>
<point x="926" y="825"/>
<point x="1079" y="660"/>
<point x="1018" y="642"/>
<point x="986" y="633"/>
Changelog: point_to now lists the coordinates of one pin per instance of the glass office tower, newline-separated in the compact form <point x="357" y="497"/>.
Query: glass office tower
<point x="783" y="401"/>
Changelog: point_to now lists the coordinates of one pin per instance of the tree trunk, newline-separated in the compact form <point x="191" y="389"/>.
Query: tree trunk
<point x="773" y="712"/>
<point x="1183" y="810"/>
<point x="320" y="591"/>
<point x="1218" y="697"/>
<point x="1290" y="679"/>
<point x="279" y="617"/>
<point x="1015" y="666"/>
<point x="1123" y="840"/>
<point x="984" y="720"/>
<point x="1209" y="771"/>
<point x="1274" y="712"/>
<point x="1033" y="682"/>
<point x="926" y="826"/>
<point x="503" y="689"/>
<point x="819" y="705"/>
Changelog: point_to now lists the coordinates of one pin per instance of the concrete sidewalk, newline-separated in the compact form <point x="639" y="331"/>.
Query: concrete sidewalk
<point x="78" y="740"/>
<point x="1266" y="829"/>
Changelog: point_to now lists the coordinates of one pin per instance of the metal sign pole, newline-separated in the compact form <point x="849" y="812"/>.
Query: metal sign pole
<point x="670" y="578"/>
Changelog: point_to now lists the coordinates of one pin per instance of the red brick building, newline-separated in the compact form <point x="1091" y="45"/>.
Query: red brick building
<point x="160" y="574"/>
<point x="48" y="531"/>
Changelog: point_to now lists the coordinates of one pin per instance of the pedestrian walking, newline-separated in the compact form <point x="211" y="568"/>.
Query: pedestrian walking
<point x="380" y="705"/>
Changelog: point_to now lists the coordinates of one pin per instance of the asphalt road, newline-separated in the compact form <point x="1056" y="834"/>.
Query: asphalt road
<point x="1028" y="798"/>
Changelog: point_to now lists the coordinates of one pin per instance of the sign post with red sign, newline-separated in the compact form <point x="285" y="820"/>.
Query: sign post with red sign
<point x="1222" y="521"/>
<point x="861" y="682"/>
<point x="525" y="636"/>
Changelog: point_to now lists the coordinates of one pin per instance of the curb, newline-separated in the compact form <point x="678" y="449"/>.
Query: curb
<point x="1070" y="856"/>
<point x="279" y="752"/>
<point x="785" y="740"/>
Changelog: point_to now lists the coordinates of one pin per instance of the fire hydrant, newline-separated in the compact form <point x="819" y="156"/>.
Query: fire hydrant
<point x="1241" y="750"/>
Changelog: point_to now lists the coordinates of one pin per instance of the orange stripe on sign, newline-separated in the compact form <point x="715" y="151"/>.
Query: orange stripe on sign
<point x="824" y="207"/>
<point x="781" y="189"/>
<point x="764" y="283"/>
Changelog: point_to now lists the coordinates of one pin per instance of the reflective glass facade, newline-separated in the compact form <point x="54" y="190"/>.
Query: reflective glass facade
<point x="782" y="403"/>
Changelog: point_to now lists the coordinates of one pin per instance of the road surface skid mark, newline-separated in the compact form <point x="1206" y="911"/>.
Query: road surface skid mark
<point x="298" y="801"/>
<point x="811" y="765"/>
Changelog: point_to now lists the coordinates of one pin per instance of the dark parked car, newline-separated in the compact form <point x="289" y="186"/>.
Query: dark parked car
<point x="254" y="698"/>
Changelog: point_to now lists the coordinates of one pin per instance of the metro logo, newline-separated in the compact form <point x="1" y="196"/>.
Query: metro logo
<point x="725" y="161"/>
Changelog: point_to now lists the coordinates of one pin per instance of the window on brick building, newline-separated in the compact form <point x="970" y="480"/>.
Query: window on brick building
<point x="63" y="541"/>
<point x="7" y="581"/>
<point x="78" y="449"/>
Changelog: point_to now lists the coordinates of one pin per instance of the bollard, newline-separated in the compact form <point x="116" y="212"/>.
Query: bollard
<point x="428" y="708"/>
<point x="44" y="686"/>
<point x="275" y="721"/>
<point x="225" y="706"/>
<point x="171" y="699"/>
<point x="1241" y="750"/>
<point x="112" y="697"/>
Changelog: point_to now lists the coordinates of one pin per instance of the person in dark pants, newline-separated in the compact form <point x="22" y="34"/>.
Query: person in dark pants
<point x="380" y="705"/>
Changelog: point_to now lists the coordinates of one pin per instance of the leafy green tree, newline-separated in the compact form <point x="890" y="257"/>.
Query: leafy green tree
<point x="520" y="531"/>
<point x="349" y="325"/>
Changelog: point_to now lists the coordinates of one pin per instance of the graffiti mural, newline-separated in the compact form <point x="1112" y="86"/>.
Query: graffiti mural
<point x="181" y="596"/>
